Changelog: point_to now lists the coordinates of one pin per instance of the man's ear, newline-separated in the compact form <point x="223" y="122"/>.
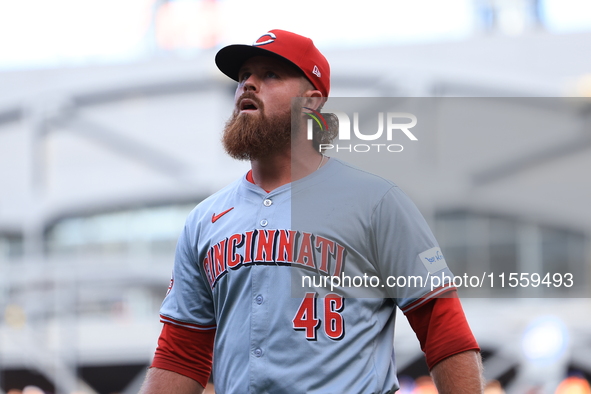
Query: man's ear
<point x="314" y="99"/>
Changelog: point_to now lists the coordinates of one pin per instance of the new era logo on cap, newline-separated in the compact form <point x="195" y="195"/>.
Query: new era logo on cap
<point x="316" y="71"/>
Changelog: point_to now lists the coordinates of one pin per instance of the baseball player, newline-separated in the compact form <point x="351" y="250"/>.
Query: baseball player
<point x="233" y="296"/>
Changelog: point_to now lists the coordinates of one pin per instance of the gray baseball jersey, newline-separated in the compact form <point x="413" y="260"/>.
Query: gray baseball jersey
<point x="234" y="272"/>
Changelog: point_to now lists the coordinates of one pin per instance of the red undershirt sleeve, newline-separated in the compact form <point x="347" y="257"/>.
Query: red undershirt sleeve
<point x="442" y="328"/>
<point x="185" y="351"/>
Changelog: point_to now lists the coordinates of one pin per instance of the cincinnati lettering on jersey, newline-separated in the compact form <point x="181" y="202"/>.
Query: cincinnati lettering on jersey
<point x="274" y="247"/>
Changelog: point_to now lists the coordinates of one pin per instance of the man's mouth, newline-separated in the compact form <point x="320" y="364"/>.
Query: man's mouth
<point x="248" y="105"/>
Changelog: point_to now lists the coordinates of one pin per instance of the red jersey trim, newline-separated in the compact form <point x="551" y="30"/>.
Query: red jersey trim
<point x="166" y="319"/>
<point x="251" y="179"/>
<point x="427" y="297"/>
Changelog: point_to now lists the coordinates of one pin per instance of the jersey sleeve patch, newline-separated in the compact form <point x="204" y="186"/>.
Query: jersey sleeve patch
<point x="433" y="260"/>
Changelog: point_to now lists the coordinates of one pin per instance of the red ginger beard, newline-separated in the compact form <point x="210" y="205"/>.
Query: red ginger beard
<point x="256" y="136"/>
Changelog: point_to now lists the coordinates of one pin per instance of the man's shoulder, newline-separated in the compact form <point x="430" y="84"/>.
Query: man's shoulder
<point x="358" y="179"/>
<point x="357" y="172"/>
<point x="351" y="185"/>
<point x="217" y="201"/>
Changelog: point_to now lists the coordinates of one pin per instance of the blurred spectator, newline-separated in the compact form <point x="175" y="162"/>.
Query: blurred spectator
<point x="407" y="385"/>
<point x="573" y="385"/>
<point x="425" y="385"/>
<point x="32" y="390"/>
<point x="494" y="387"/>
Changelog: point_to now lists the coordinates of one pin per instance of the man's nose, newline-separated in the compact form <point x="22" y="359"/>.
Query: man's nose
<point x="251" y="83"/>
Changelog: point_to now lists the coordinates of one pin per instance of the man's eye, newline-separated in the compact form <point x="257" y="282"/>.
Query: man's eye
<point x="271" y="74"/>
<point x="244" y="77"/>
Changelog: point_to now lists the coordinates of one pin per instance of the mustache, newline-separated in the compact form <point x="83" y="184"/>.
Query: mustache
<point x="251" y="96"/>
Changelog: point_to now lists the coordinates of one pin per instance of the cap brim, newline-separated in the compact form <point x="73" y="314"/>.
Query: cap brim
<point x="231" y="58"/>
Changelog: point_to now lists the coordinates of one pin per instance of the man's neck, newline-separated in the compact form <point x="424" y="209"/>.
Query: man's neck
<point x="277" y="170"/>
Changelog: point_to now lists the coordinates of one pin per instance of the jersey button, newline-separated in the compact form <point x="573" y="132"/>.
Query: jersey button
<point x="264" y="223"/>
<point x="258" y="352"/>
<point x="267" y="202"/>
<point x="259" y="299"/>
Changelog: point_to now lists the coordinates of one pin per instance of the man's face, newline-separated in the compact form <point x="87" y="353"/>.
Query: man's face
<point x="261" y="122"/>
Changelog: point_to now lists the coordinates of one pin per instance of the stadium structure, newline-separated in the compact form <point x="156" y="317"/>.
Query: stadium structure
<point x="100" y="165"/>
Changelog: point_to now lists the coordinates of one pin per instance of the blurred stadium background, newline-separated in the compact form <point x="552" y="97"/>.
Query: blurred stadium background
<point x="110" y="118"/>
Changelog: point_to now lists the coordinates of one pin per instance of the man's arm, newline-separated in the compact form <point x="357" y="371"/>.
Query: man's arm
<point x="161" y="381"/>
<point x="451" y="351"/>
<point x="459" y="374"/>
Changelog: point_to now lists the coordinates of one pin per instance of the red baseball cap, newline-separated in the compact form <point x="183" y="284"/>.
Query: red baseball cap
<point x="296" y="49"/>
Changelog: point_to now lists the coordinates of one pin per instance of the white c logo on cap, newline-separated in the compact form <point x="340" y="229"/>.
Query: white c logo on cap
<point x="270" y="40"/>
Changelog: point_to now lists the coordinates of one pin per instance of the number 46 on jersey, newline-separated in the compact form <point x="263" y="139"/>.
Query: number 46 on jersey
<point x="307" y="320"/>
